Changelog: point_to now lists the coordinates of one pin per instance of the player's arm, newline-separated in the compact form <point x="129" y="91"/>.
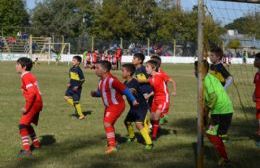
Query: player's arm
<point x="227" y="76"/>
<point x="253" y="97"/>
<point x="148" y="95"/>
<point x="124" y="90"/>
<point x="96" y="93"/>
<point x="29" y="96"/>
<point x="173" y="86"/>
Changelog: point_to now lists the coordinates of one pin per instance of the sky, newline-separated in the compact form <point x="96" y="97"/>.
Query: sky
<point x="224" y="12"/>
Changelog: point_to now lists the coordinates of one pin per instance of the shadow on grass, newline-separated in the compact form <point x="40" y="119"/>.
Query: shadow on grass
<point x="85" y="113"/>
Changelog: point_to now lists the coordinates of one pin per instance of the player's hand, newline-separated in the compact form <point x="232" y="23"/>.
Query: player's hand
<point x="75" y="88"/>
<point x="174" y="93"/>
<point x="135" y="103"/>
<point x="23" y="110"/>
<point x="133" y="90"/>
<point x="68" y="85"/>
<point x="93" y="93"/>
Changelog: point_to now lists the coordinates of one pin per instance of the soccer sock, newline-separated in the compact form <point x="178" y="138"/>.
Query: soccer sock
<point x="155" y="128"/>
<point x="146" y="123"/>
<point x="219" y="145"/>
<point x="35" y="140"/>
<point x="130" y="130"/>
<point x="146" y="136"/>
<point x="70" y="101"/>
<point x="25" y="137"/>
<point x="110" y="133"/>
<point x="78" y="109"/>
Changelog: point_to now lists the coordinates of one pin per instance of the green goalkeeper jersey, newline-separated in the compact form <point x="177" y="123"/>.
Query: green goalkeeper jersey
<point x="215" y="96"/>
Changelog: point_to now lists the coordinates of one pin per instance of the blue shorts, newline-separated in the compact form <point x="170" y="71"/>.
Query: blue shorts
<point x="136" y="114"/>
<point x="75" y="95"/>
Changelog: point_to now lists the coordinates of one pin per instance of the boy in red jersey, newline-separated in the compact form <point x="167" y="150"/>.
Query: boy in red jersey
<point x="161" y="98"/>
<point x="256" y="94"/>
<point x="32" y="108"/>
<point x="168" y="79"/>
<point x="111" y="90"/>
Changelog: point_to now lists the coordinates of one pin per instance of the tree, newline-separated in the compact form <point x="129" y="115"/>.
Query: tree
<point x="234" y="44"/>
<point x="62" y="17"/>
<point x="13" y="16"/>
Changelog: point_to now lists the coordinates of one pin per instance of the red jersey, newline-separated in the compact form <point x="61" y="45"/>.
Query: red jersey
<point x="257" y="86"/>
<point x="30" y="90"/>
<point x="160" y="88"/>
<point x="164" y="75"/>
<point x="118" y="53"/>
<point x="94" y="57"/>
<point x="111" y="90"/>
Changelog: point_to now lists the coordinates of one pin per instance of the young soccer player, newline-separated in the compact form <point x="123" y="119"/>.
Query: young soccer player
<point x="160" y="102"/>
<point x="256" y="94"/>
<point x="164" y="116"/>
<point x="136" y="114"/>
<point x="217" y="68"/>
<point x="142" y="78"/>
<point x="220" y="107"/>
<point x="32" y="108"/>
<point x="74" y="87"/>
<point x="111" y="90"/>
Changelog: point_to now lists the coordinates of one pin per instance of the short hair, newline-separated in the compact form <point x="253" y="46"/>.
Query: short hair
<point x="217" y="51"/>
<point x="78" y="58"/>
<point x="257" y="55"/>
<point x="140" y="56"/>
<point x="204" y="63"/>
<point x="153" y="63"/>
<point x="157" y="58"/>
<point x="130" y="68"/>
<point x="106" y="65"/>
<point x="25" y="62"/>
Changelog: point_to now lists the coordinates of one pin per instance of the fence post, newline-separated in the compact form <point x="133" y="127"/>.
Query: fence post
<point x="200" y="101"/>
<point x="174" y="47"/>
<point x="30" y="46"/>
<point x="92" y="43"/>
<point x="121" y="42"/>
<point x="148" y="47"/>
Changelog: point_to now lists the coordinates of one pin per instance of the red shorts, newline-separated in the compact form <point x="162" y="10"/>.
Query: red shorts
<point x="257" y="114"/>
<point x="112" y="113"/>
<point x="161" y="106"/>
<point x="31" y="116"/>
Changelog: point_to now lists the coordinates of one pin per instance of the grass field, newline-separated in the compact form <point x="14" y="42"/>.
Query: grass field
<point x="68" y="142"/>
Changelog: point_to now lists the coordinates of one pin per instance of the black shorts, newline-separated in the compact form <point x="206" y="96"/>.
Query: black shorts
<point x="75" y="95"/>
<point x="136" y="114"/>
<point x="223" y="120"/>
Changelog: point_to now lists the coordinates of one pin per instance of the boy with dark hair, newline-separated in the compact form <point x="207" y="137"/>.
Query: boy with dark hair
<point x="74" y="87"/>
<point x="219" y="105"/>
<point x="160" y="92"/>
<point x="142" y="78"/>
<point x="32" y="108"/>
<point x="256" y="94"/>
<point x="217" y="68"/>
<point x="136" y="114"/>
<point x="111" y="90"/>
<point x="168" y="79"/>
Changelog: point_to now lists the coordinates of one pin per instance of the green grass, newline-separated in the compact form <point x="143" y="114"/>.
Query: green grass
<point x="72" y="143"/>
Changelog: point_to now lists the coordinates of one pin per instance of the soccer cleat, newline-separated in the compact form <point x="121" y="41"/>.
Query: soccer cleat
<point x="81" y="117"/>
<point x="224" y="163"/>
<point x="24" y="154"/>
<point x="111" y="149"/>
<point x="148" y="147"/>
<point x="129" y="140"/>
<point x="164" y="120"/>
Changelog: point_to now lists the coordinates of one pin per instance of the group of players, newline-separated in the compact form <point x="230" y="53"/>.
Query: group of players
<point x="91" y="58"/>
<point x="146" y="89"/>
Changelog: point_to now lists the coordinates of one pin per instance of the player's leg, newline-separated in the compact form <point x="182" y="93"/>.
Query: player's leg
<point x="76" y="98"/>
<point x="111" y="115"/>
<point x="258" y="117"/>
<point x="213" y="136"/>
<point x="130" y="129"/>
<point x="68" y="97"/>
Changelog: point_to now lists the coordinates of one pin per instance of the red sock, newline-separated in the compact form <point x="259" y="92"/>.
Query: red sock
<point x="155" y="124"/>
<point x="110" y="133"/>
<point x="219" y="145"/>
<point x="35" y="140"/>
<point x="25" y="138"/>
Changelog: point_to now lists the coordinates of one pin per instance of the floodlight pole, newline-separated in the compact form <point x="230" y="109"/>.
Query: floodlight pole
<point x="200" y="153"/>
